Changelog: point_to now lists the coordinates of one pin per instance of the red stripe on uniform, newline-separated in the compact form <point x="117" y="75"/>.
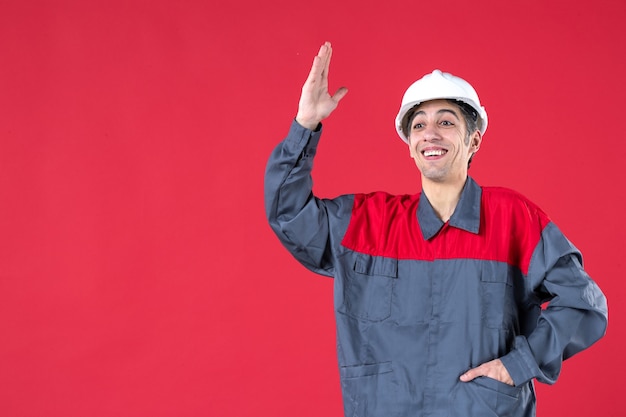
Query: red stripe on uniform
<point x="386" y="225"/>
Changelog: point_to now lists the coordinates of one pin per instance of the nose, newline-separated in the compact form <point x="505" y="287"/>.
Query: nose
<point x="431" y="132"/>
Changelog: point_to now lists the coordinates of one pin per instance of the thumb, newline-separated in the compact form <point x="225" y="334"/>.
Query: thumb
<point x="470" y="375"/>
<point x="339" y="94"/>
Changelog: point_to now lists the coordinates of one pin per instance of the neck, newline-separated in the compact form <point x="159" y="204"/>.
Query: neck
<point x="443" y="196"/>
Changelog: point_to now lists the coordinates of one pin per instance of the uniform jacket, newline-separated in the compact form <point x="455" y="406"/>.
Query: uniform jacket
<point x="418" y="301"/>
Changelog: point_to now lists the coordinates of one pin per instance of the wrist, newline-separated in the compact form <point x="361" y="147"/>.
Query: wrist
<point x="307" y="123"/>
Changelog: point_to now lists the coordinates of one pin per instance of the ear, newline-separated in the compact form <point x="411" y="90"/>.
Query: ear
<point x="475" y="141"/>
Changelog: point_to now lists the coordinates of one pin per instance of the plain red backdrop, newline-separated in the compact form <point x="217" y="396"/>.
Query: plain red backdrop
<point x="138" y="276"/>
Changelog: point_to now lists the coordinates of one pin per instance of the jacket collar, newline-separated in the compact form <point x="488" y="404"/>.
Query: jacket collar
<point x="466" y="215"/>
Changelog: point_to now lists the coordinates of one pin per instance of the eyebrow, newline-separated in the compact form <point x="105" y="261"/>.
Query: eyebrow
<point x="438" y="112"/>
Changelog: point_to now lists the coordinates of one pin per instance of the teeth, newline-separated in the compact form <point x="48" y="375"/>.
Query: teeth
<point x="437" y="152"/>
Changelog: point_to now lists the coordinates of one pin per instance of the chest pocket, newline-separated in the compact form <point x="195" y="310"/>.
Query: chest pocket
<point x="368" y="288"/>
<point x="499" y="307"/>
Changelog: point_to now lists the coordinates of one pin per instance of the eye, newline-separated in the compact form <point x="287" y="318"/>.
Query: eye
<point x="418" y="125"/>
<point x="447" y="123"/>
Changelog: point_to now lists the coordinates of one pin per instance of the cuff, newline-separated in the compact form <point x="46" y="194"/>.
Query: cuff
<point x="520" y="363"/>
<point x="300" y="137"/>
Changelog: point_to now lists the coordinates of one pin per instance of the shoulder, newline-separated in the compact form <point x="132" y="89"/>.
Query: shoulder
<point x="505" y="206"/>
<point x="501" y="196"/>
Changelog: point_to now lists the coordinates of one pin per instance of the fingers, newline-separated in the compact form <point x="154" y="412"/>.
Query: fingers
<point x="323" y="49"/>
<point x="493" y="369"/>
<point x="328" y="53"/>
<point x="325" y="54"/>
<point x="316" y="70"/>
<point x="321" y="65"/>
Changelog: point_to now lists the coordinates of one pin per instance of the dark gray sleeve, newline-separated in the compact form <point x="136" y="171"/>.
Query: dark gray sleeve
<point x="301" y="221"/>
<point x="575" y="317"/>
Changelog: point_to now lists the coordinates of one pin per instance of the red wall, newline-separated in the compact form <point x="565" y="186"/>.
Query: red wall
<point x="138" y="276"/>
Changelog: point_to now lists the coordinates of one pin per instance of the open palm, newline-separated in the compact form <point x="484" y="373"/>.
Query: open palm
<point x="316" y="103"/>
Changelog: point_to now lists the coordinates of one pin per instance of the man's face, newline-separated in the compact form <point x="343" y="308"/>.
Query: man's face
<point x="439" y="143"/>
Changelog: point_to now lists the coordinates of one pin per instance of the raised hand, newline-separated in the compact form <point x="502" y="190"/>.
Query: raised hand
<point x="316" y="103"/>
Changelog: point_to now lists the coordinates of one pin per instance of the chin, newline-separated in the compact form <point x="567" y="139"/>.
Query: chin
<point x="437" y="176"/>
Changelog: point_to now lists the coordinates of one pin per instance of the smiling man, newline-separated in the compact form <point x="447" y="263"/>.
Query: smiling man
<point x="438" y="296"/>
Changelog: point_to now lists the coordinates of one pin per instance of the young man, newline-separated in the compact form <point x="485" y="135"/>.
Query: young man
<point x="438" y="296"/>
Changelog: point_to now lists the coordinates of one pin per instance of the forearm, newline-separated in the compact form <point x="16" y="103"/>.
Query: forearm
<point x="288" y="182"/>
<point x="574" y="319"/>
<point x="295" y="215"/>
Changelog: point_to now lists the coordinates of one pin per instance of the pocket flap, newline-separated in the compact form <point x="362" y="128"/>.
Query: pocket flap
<point x="376" y="265"/>
<point x="496" y="272"/>
<point x="358" y="371"/>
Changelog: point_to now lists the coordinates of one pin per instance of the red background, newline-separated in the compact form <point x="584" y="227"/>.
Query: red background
<point x="138" y="276"/>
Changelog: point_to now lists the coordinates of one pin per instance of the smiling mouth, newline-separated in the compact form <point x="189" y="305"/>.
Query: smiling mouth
<point x="434" y="152"/>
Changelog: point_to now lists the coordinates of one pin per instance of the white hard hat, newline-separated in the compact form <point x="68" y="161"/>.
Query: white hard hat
<point x="439" y="85"/>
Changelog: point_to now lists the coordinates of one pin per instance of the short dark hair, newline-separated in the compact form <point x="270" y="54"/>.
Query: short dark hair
<point x="469" y="114"/>
<point x="472" y="121"/>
